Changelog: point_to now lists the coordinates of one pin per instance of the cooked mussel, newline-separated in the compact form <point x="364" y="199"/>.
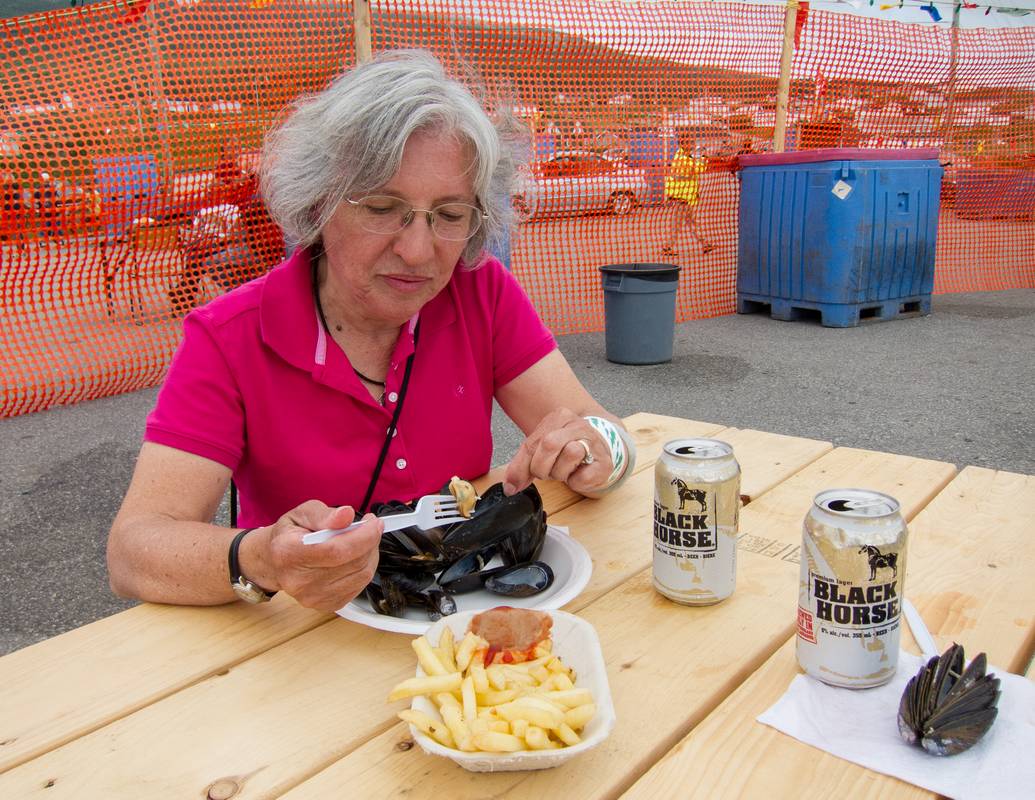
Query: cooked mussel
<point x="513" y="527"/>
<point x="512" y="580"/>
<point x="947" y="708"/>
<point x="520" y="580"/>
<point x="527" y="543"/>
<point x="466" y="573"/>
<point x="465" y="495"/>
<point x="390" y="592"/>
<point x="385" y="596"/>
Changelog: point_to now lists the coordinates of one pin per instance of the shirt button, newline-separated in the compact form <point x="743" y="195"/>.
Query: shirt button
<point x="401" y="463"/>
<point x="392" y="397"/>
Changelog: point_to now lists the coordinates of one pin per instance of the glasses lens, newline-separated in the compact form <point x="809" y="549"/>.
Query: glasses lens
<point x="456" y="222"/>
<point x="382" y="213"/>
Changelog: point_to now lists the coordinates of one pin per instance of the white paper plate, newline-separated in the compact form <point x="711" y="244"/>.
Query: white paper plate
<point x="567" y="558"/>
<point x="578" y="646"/>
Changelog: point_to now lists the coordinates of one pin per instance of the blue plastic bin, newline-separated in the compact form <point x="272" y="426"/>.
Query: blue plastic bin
<point x="846" y="232"/>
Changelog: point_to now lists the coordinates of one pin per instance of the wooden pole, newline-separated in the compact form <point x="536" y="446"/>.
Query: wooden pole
<point x="949" y="119"/>
<point x="361" y="30"/>
<point x="158" y="91"/>
<point x="783" y="85"/>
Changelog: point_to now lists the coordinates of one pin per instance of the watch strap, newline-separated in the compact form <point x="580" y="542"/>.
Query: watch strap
<point x="234" y="564"/>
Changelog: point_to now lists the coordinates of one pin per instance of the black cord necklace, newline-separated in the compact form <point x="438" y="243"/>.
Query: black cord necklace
<point x="363" y="377"/>
<point x="323" y="321"/>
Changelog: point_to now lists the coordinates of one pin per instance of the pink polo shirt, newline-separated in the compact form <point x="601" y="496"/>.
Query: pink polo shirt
<point x="257" y="386"/>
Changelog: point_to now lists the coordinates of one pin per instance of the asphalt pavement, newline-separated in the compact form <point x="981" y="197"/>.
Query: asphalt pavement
<point x="955" y="386"/>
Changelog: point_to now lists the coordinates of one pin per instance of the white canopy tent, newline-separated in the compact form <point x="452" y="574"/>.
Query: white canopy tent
<point x="972" y="14"/>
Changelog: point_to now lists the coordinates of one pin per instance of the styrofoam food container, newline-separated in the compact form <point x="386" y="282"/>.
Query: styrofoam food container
<point x="578" y="646"/>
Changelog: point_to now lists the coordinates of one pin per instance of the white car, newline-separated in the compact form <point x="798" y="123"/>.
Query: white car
<point x="578" y="182"/>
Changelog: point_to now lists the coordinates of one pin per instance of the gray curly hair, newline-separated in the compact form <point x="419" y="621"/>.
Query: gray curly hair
<point x="348" y="140"/>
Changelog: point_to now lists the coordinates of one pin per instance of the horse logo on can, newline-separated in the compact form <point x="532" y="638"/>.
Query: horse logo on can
<point x="686" y="493"/>
<point x="879" y="560"/>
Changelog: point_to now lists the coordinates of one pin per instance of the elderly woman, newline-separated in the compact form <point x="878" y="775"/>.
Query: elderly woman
<point x="361" y="369"/>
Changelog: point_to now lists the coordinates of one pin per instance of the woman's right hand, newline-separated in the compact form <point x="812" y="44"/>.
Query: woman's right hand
<point x="323" y="576"/>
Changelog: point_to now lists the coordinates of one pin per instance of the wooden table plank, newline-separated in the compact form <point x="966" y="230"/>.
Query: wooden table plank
<point x="983" y="518"/>
<point x="771" y="525"/>
<point x="768" y="459"/>
<point x="651" y="431"/>
<point x="971" y="553"/>
<point x="262" y="725"/>
<point x="61" y="688"/>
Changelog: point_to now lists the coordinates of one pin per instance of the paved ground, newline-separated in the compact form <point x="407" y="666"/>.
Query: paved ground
<point x="955" y="386"/>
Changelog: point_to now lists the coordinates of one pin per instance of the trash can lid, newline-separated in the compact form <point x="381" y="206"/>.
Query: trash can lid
<point x="644" y="270"/>
<point x="838" y="154"/>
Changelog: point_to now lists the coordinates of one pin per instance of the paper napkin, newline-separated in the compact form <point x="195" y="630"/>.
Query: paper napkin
<point x="861" y="725"/>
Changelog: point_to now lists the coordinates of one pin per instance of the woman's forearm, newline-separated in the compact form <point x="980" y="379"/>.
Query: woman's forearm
<point x="161" y="560"/>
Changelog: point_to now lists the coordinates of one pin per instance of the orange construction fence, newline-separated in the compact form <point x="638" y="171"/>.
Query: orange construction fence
<point x="129" y="133"/>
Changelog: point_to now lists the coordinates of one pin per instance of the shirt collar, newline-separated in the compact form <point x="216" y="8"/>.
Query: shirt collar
<point x="290" y="324"/>
<point x="287" y="314"/>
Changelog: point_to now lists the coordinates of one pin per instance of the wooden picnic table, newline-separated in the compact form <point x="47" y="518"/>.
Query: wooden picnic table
<point x="279" y="701"/>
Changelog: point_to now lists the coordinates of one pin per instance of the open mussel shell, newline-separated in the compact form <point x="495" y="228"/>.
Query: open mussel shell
<point x="947" y="708"/>
<point x="496" y="518"/>
<point x="385" y="596"/>
<point x="520" y="580"/>
<point x="512" y="580"/>
<point x="391" y="592"/>
<point x="526" y="543"/>
<point x="466" y="573"/>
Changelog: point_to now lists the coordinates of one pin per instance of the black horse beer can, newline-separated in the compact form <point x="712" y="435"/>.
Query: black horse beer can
<point x="696" y="511"/>
<point x="853" y="566"/>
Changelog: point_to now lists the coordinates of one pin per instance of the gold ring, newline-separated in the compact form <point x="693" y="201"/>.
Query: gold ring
<point x="588" y="458"/>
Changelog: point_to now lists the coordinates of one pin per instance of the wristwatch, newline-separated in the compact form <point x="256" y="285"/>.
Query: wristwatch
<point x="244" y="588"/>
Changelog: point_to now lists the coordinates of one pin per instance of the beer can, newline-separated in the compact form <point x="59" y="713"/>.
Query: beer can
<point x="696" y="510"/>
<point x="853" y="567"/>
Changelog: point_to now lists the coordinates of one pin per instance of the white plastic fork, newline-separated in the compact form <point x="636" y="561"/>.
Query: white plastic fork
<point x="921" y="634"/>
<point x="431" y="511"/>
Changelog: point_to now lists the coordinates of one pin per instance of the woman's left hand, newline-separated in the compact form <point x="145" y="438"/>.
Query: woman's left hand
<point x="557" y="449"/>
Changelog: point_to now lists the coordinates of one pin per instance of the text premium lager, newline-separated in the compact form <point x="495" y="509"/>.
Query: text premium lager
<point x="853" y="565"/>
<point x="696" y="508"/>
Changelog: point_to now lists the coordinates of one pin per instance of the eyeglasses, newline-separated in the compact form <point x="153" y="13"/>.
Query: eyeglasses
<point x="386" y="215"/>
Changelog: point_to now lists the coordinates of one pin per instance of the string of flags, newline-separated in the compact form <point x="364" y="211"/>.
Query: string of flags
<point x="932" y="8"/>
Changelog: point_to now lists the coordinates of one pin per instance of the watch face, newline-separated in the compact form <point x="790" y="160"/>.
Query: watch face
<point x="248" y="592"/>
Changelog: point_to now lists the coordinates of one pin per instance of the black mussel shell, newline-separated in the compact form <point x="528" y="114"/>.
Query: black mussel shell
<point x="385" y="596"/>
<point x="411" y="584"/>
<point x="945" y="708"/>
<point x="496" y="516"/>
<point x="520" y="580"/>
<point x="526" y="542"/>
<point x="438" y="603"/>
<point x="465" y="574"/>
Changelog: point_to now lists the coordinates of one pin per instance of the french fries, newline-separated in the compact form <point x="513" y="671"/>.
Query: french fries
<point x="500" y="708"/>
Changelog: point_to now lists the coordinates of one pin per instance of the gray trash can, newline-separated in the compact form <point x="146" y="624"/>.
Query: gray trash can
<point x="639" y="312"/>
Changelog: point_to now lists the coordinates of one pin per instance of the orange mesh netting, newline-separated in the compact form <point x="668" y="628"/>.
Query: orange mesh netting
<point x="129" y="132"/>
